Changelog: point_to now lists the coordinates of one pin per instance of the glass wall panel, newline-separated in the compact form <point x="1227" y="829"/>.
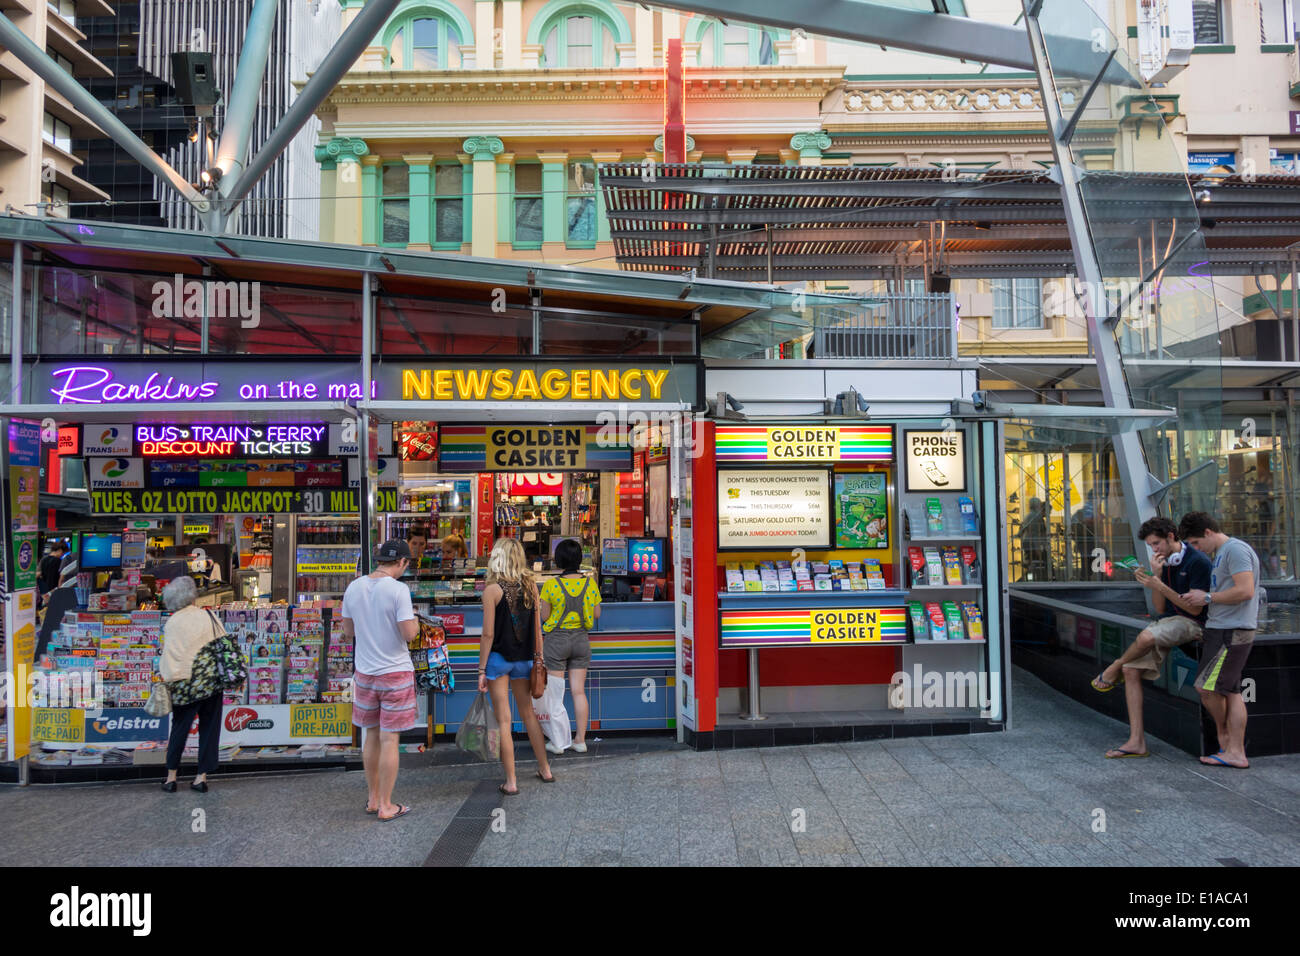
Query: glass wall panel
<point x="415" y="326"/>
<point x="1157" y="296"/>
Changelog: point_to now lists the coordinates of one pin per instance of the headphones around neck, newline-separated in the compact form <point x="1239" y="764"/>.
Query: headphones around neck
<point x="1176" y="557"/>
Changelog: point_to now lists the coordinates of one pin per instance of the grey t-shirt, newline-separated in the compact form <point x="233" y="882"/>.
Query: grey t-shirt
<point x="1232" y="558"/>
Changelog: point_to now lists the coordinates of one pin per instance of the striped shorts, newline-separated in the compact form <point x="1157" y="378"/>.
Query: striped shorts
<point x="386" y="701"/>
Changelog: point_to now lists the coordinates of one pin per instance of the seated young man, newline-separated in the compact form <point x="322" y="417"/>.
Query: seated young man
<point x="1177" y="568"/>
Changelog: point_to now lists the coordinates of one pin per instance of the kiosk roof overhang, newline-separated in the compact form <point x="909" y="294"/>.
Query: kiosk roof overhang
<point x="857" y="222"/>
<point x="330" y="266"/>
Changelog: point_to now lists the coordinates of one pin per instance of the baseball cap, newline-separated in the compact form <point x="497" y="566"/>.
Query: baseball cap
<point x="393" y="550"/>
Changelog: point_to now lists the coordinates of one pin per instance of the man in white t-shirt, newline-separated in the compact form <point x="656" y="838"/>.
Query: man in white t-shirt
<point x="378" y="616"/>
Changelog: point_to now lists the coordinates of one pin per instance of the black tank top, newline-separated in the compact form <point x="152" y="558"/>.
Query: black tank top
<point x="513" y="639"/>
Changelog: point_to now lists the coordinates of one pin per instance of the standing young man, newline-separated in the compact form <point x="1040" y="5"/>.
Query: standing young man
<point x="377" y="614"/>
<point x="1233" y="602"/>
<point x="1177" y="569"/>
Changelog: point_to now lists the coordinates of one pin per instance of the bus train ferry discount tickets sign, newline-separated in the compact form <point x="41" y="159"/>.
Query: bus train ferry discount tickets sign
<point x="813" y="627"/>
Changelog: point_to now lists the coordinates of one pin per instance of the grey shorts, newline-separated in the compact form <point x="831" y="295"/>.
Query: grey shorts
<point x="1168" y="632"/>
<point x="562" y="650"/>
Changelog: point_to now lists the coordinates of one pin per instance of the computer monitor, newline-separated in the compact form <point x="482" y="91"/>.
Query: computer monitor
<point x="101" y="551"/>
<point x="645" y="556"/>
<point x="555" y="543"/>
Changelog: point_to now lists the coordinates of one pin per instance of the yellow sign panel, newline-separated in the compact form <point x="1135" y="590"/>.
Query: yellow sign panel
<point x="527" y="384"/>
<point x="803" y="444"/>
<point x="537" y="449"/>
<point x="320" y="720"/>
<point x="59" y="725"/>
<point x="856" y="625"/>
<point x="197" y="529"/>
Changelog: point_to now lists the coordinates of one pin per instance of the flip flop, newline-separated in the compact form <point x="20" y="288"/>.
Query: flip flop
<point x="550" y="779"/>
<point x="1215" y="760"/>
<point x="375" y="811"/>
<point x="508" y="793"/>
<point x="1097" y="683"/>
<point x="1119" y="753"/>
<point x="401" y="812"/>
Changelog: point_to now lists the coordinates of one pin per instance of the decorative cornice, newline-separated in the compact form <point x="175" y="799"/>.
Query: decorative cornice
<point x="659" y="143"/>
<point x="483" y="148"/>
<point x="461" y="86"/>
<point x="810" y="143"/>
<point x="342" y="149"/>
<point x="949" y="98"/>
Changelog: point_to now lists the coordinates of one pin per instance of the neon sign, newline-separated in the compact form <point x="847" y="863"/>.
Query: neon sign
<point x="209" y="441"/>
<point x="94" y="385"/>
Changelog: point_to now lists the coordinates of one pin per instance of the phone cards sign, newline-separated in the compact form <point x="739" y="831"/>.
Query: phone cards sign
<point x="936" y="460"/>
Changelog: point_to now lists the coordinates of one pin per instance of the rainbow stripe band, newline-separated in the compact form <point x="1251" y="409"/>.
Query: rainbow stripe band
<point x="619" y="653"/>
<point x="814" y="627"/>
<point x="856" y="443"/>
<point x="464" y="448"/>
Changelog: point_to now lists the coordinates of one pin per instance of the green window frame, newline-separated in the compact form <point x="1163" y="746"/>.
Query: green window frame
<point x="426" y="35"/>
<point x="581" y="38"/>
<point x="735" y="44"/>
<point x="448" y="224"/>
<point x="528" y="219"/>
<point x="580" y="212"/>
<point x="395" y="205"/>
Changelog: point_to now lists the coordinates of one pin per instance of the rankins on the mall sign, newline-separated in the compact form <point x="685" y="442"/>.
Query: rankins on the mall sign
<point x="543" y="383"/>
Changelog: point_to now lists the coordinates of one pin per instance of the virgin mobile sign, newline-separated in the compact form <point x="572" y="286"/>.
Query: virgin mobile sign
<point x="108" y="382"/>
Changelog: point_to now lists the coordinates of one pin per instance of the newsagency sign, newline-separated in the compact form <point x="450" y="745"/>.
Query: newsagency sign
<point x="104" y="383"/>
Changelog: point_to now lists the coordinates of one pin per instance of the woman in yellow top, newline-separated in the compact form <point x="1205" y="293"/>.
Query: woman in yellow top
<point x="570" y="608"/>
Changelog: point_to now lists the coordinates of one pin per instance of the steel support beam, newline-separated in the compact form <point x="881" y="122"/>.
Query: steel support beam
<point x="1129" y="456"/>
<point x="59" y="79"/>
<point x="336" y="64"/>
<point x="232" y="151"/>
<point x="923" y="31"/>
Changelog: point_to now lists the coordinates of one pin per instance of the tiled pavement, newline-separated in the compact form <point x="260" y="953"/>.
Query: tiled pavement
<point x="1029" y="797"/>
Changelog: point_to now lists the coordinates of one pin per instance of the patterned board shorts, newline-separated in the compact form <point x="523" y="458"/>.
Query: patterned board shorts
<point x="386" y="701"/>
<point x="1224" y="659"/>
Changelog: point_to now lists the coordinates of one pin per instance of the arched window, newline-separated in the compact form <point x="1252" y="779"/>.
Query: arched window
<point x="732" y="44"/>
<point x="426" y="35"/>
<point x="426" y="43"/>
<point x="579" y="35"/>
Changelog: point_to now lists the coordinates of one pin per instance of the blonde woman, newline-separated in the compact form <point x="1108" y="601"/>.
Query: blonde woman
<point x="512" y="629"/>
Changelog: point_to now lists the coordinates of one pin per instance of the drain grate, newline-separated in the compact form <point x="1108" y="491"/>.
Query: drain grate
<point x="458" y="842"/>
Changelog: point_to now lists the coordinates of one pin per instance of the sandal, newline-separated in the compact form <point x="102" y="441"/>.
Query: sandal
<point x="375" y="811"/>
<point x="1118" y="753"/>
<point x="550" y="779"/>
<point x="401" y="812"/>
<point x="1106" y="686"/>
<point x="508" y="793"/>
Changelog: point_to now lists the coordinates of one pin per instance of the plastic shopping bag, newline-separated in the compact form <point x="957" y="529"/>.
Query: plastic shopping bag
<point x="479" y="733"/>
<point x="552" y="715"/>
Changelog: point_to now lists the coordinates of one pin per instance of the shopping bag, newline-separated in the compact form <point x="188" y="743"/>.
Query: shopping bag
<point x="552" y="715"/>
<point x="159" y="703"/>
<point x="479" y="733"/>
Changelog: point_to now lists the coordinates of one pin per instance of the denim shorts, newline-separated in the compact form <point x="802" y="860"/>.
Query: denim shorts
<point x="498" y="666"/>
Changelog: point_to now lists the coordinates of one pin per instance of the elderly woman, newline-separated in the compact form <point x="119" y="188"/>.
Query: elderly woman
<point x="189" y="668"/>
